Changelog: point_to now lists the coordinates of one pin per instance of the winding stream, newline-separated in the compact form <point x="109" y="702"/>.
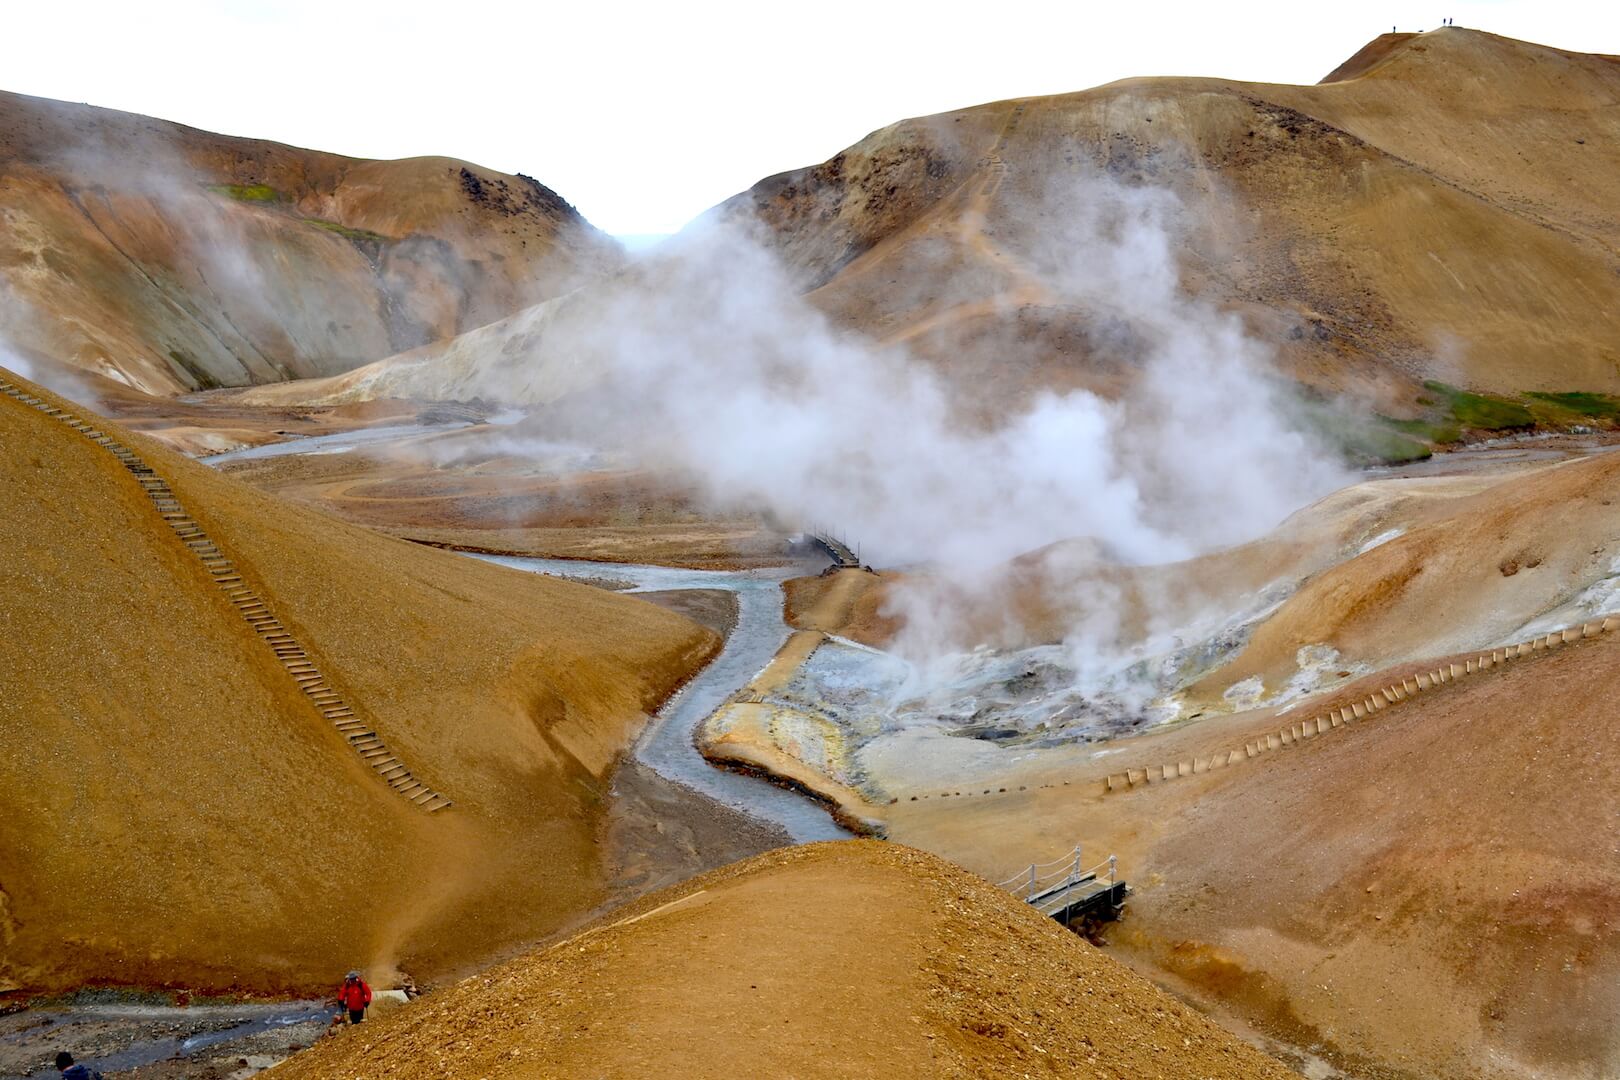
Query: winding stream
<point x="666" y="746"/>
<point x="126" y="1031"/>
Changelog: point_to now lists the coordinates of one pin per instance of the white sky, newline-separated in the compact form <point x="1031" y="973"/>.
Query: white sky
<point x="645" y="114"/>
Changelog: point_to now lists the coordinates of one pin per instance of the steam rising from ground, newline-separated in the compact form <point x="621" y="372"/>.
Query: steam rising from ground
<point x="706" y="359"/>
<point x="714" y="364"/>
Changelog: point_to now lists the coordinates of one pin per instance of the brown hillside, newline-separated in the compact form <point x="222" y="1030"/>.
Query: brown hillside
<point x="1447" y="213"/>
<point x="1443" y="209"/>
<point x="466" y="489"/>
<point x="1368" y="56"/>
<point x="174" y="811"/>
<point x="1467" y="572"/>
<point x="172" y="259"/>
<point x="1432" y="892"/>
<point x="1385" y="572"/>
<point x="855" y="959"/>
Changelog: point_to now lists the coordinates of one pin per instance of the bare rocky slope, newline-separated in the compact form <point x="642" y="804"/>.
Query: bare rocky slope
<point x="1430" y="892"/>
<point x="852" y="959"/>
<point x="1443" y="208"/>
<point x="176" y="806"/>
<point x="174" y="259"/>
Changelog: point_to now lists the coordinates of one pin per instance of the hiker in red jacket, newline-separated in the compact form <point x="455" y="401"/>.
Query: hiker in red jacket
<point x="355" y="995"/>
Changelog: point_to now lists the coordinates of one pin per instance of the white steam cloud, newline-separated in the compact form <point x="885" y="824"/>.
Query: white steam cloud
<point x="707" y="360"/>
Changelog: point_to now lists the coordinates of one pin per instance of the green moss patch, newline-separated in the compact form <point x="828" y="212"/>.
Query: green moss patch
<point x="1376" y="445"/>
<point x="1436" y="431"/>
<point x="357" y="235"/>
<point x="1481" y="411"/>
<point x="254" y="193"/>
<point x="1591" y="406"/>
<point x="1359" y="439"/>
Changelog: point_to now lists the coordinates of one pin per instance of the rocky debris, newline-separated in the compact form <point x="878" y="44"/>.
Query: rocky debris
<point x="530" y="197"/>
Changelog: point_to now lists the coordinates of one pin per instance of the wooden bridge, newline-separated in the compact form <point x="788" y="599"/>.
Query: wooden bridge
<point x="1065" y="891"/>
<point x="842" y="555"/>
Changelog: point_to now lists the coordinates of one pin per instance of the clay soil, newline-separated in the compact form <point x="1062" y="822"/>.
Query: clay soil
<point x="1358" y="225"/>
<point x="852" y="959"/>
<point x="489" y="502"/>
<point x="1429" y="893"/>
<point x="171" y="259"/>
<point x="173" y="811"/>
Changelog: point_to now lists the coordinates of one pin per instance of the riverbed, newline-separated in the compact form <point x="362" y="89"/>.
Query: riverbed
<point x="666" y="746"/>
<point x="159" y="1040"/>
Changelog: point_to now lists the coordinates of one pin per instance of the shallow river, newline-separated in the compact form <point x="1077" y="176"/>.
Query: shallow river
<point x="128" y="1036"/>
<point x="666" y="746"/>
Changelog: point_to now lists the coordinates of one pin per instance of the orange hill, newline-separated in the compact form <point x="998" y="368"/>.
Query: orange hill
<point x="1445" y="207"/>
<point x="175" y="810"/>
<point x="1382" y="573"/>
<point x="835" y="960"/>
<point x="175" y="259"/>
<point x="1431" y="892"/>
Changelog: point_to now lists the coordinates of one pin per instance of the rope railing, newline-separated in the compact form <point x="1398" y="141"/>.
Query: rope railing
<point x="1353" y="711"/>
<point x="1039" y="879"/>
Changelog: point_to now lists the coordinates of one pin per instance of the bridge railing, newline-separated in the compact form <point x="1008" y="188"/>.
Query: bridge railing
<point x="842" y="552"/>
<point x="1041" y="879"/>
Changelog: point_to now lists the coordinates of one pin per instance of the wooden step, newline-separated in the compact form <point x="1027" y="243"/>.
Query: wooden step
<point x="367" y="743"/>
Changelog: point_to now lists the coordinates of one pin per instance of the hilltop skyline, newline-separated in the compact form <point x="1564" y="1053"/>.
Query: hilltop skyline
<point x="747" y="95"/>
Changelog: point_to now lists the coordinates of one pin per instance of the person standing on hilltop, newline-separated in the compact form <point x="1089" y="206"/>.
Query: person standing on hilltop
<point x="354" y="996"/>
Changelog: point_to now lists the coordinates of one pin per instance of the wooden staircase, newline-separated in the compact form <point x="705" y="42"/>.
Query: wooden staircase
<point x="252" y="608"/>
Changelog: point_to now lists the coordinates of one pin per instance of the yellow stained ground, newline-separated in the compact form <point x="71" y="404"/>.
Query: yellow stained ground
<point x="174" y="811"/>
<point x="852" y="959"/>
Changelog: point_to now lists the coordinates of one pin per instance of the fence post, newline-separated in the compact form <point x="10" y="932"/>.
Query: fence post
<point x="1076" y="875"/>
<point x="1113" y="868"/>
